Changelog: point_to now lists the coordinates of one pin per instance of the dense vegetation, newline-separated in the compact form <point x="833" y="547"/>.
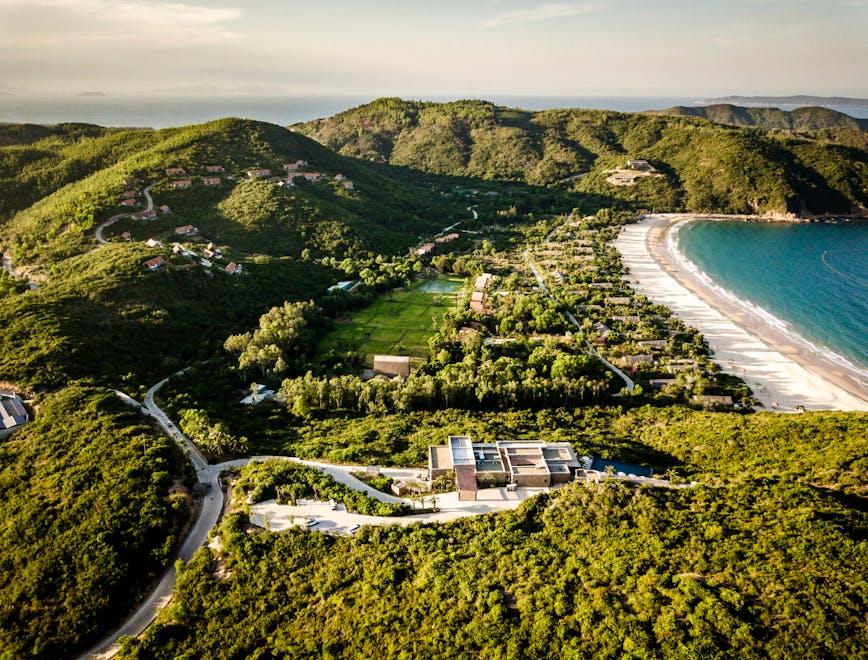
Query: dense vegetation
<point x="813" y="122"/>
<point x="753" y="564"/>
<point x="289" y="482"/>
<point x="92" y="503"/>
<point x="706" y="167"/>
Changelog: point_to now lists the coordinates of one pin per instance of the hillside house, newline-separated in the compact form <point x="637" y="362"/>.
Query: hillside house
<point x="211" y="180"/>
<point x="258" y="173"/>
<point x="447" y="239"/>
<point x="424" y="249"/>
<point x="127" y="194"/>
<point x="206" y="263"/>
<point x="661" y="383"/>
<point x="181" y="184"/>
<point x="152" y="242"/>
<point x="126" y="236"/>
<point x="175" y="171"/>
<point x="155" y="264"/>
<point x="488" y="465"/>
<point x="147" y="214"/>
<point x="619" y="300"/>
<point x="639" y="166"/>
<point x="209" y="254"/>
<point x="313" y="177"/>
<point x="185" y="230"/>
<point x="129" y="201"/>
<point x="164" y="209"/>
<point x="292" y="167"/>
<point x="214" y="168"/>
<point x="12" y="411"/>
<point x="233" y="269"/>
<point x="392" y="366"/>
<point x="483" y="281"/>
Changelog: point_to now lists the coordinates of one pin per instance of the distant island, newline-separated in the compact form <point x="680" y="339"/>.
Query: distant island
<point x="92" y="94"/>
<point x="800" y="99"/>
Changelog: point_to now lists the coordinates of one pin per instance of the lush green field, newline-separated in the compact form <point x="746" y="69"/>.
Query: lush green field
<point x="397" y="323"/>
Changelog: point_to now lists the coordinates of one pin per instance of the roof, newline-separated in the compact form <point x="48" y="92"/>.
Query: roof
<point x="185" y="229"/>
<point x="156" y="262"/>
<point x="232" y="267"/>
<point x="392" y="363"/>
<point x="12" y="411"/>
<point x="465" y="478"/>
<point x="483" y="280"/>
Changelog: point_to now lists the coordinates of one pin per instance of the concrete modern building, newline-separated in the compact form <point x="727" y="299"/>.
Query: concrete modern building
<point x="487" y="465"/>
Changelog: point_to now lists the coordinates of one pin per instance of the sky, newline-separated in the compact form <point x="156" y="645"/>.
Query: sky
<point x="434" y="47"/>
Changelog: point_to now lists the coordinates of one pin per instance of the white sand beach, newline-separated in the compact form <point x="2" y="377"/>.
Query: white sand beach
<point x="782" y="373"/>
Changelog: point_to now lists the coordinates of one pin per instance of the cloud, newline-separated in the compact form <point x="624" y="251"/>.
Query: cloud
<point x="163" y="24"/>
<point x="543" y="12"/>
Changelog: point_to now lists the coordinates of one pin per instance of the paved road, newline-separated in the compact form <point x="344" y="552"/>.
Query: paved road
<point x="99" y="230"/>
<point x="209" y="514"/>
<point x="628" y="382"/>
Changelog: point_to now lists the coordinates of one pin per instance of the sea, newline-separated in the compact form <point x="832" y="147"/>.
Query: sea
<point x="161" y="111"/>
<point x="809" y="280"/>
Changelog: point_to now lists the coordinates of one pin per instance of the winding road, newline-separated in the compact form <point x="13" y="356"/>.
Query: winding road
<point x="99" y="230"/>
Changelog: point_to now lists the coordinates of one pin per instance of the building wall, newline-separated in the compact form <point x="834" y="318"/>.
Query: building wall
<point x="532" y="480"/>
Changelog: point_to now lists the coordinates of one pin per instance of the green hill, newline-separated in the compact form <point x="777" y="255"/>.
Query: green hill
<point x="387" y="208"/>
<point x="814" y="122"/>
<point x="99" y="314"/>
<point x="705" y="167"/>
<point x="37" y="160"/>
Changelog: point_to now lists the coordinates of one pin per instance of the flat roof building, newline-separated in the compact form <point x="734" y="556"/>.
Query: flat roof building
<point x="526" y="464"/>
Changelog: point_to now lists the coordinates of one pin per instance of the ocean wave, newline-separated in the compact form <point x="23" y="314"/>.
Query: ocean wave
<point x="855" y="372"/>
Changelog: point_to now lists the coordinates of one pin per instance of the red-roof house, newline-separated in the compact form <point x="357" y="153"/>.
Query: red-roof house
<point x="211" y="180"/>
<point x="292" y="167"/>
<point x="182" y="183"/>
<point x="147" y="214"/>
<point x="174" y="171"/>
<point x="128" y="202"/>
<point x="258" y="173"/>
<point x="185" y="230"/>
<point x="155" y="264"/>
<point x="234" y="269"/>
<point x="214" y="168"/>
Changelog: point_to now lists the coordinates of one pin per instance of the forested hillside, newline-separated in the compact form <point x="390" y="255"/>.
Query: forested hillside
<point x="92" y="503"/>
<point x="37" y="160"/>
<point x="764" y="558"/>
<point x="821" y="123"/>
<point x="386" y="208"/>
<point x="705" y="167"/>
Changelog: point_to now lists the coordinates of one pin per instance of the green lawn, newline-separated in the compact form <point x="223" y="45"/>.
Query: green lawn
<point x="399" y="322"/>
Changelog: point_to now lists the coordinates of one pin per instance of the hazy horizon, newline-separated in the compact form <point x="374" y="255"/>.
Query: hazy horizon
<point x="619" y="48"/>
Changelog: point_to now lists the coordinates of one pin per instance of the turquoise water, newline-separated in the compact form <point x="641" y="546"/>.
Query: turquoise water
<point x="811" y="278"/>
<point x="441" y="285"/>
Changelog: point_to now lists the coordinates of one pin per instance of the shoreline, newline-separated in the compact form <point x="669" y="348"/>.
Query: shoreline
<point x="782" y="374"/>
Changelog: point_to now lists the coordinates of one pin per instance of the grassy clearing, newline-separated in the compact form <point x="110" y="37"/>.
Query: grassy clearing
<point x="399" y="322"/>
